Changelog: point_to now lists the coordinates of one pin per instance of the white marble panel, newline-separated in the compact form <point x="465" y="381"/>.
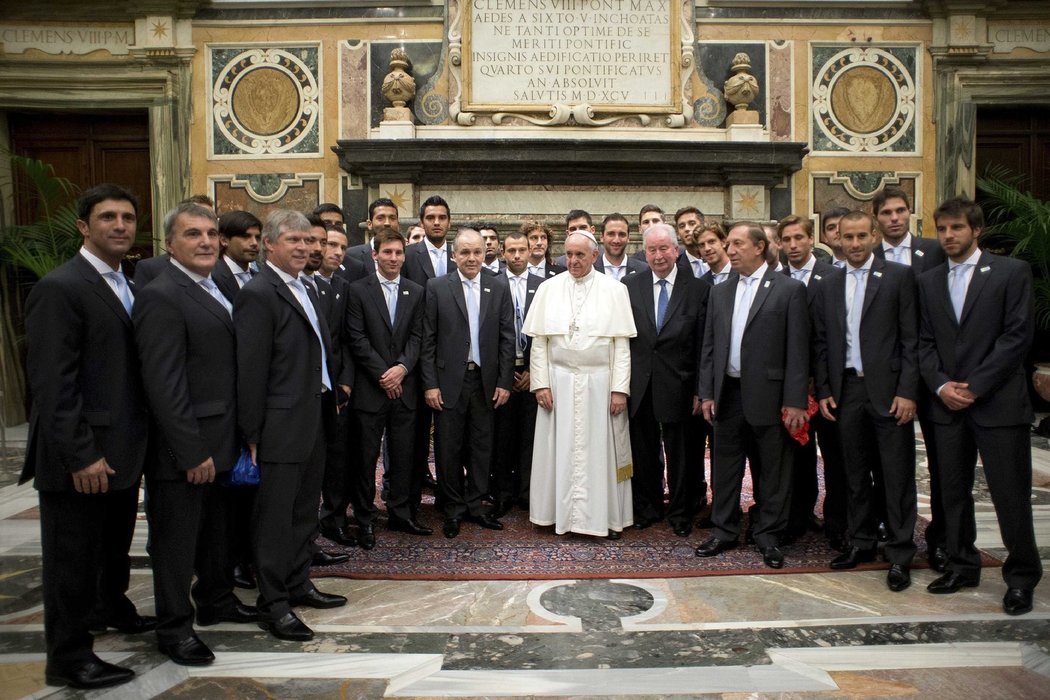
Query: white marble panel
<point x="319" y="665"/>
<point x="15" y="499"/>
<point x="866" y="658"/>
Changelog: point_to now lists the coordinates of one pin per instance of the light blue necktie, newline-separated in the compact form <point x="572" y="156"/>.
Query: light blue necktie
<point x="697" y="271"/>
<point x="720" y="277"/>
<point x="210" y="287"/>
<point x="855" y="312"/>
<point x="391" y="299"/>
<point x="439" y="262"/>
<point x="244" y="278"/>
<point x="740" y="313"/>
<point x="519" y="316"/>
<point x="473" y="313"/>
<point x="839" y="263"/>
<point x="617" y="272"/>
<point x="800" y="275"/>
<point x="123" y="292"/>
<point x="311" y="313"/>
<point x="958" y="289"/>
<point x="661" y="305"/>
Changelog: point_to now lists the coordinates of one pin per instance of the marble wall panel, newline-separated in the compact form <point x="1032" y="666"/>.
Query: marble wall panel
<point x="261" y="193"/>
<point x="353" y="90"/>
<point x="264" y="101"/>
<point x="781" y="121"/>
<point x="855" y="190"/>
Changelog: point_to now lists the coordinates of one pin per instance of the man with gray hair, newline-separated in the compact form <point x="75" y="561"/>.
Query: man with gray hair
<point x="580" y="365"/>
<point x="285" y="383"/>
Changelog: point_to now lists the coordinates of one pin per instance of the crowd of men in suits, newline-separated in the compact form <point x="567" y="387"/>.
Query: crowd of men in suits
<point x="313" y="358"/>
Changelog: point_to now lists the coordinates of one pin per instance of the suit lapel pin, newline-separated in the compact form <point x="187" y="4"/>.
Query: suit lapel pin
<point x="766" y="285"/>
<point x="404" y="293"/>
<point x="487" y="289"/>
<point x="532" y="291"/>
<point x="986" y="268"/>
<point x="876" y="273"/>
<point x="919" y="253"/>
<point x="817" y="277"/>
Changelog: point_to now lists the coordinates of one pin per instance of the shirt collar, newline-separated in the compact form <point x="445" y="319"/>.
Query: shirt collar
<point x="905" y="243"/>
<point x="760" y="272"/>
<point x="671" y="276"/>
<point x="235" y="268"/>
<point x="384" y="280"/>
<point x="972" y="260"/>
<point x="477" y="277"/>
<point x="524" y="276"/>
<point x="188" y="272"/>
<point x="865" y="266"/>
<point x="96" y="262"/>
<point x="607" y="263"/>
<point x="807" y="266"/>
<point x="691" y="259"/>
<point x="285" y="277"/>
<point x="431" y="247"/>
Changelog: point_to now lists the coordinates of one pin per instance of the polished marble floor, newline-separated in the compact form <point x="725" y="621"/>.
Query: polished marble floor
<point x="834" y="635"/>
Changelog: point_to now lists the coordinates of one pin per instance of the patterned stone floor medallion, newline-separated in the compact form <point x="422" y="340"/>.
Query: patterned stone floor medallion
<point x="265" y="101"/>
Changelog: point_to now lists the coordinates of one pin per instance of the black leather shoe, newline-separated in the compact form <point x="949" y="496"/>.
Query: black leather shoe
<point x="839" y="543"/>
<point x="1017" y="601"/>
<point x="883" y="533"/>
<point x="501" y="508"/>
<point x="683" y="529"/>
<point x="773" y="557"/>
<point x="486" y="521"/>
<point x="94" y="674"/>
<point x="430" y="482"/>
<point x="243" y="577"/>
<point x="190" y="651"/>
<point x="410" y="526"/>
<point x="238" y="612"/>
<point x="316" y="599"/>
<point x="129" y="625"/>
<point x="939" y="560"/>
<point x="614" y="535"/>
<point x="714" y="546"/>
<point x="323" y="558"/>
<point x="289" y="628"/>
<point x="339" y="535"/>
<point x="951" y="582"/>
<point x="643" y="523"/>
<point x="850" y="559"/>
<point x="898" y="578"/>
<point x="451" y="528"/>
<point x="366" y="537"/>
<point x="749" y="535"/>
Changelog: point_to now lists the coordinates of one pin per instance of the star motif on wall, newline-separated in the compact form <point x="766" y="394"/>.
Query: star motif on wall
<point x="398" y="197"/>
<point x="748" y="201"/>
<point x="160" y="29"/>
<point x="962" y="28"/>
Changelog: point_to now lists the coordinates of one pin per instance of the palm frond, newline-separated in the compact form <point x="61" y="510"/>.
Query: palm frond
<point x="53" y="236"/>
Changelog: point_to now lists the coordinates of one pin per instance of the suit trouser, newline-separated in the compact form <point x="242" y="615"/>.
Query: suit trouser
<point x="770" y="455"/>
<point x="512" y="461"/>
<point x="651" y="442"/>
<point x="463" y="438"/>
<point x="874" y="443"/>
<point x="84" y="541"/>
<point x="283" y="527"/>
<point x="340" y="467"/>
<point x="836" y="494"/>
<point x="804" y="489"/>
<point x="697" y="432"/>
<point x="1006" y="453"/>
<point x="406" y="483"/>
<point x="188" y="530"/>
<point x="934" y="535"/>
<point x="240" y="504"/>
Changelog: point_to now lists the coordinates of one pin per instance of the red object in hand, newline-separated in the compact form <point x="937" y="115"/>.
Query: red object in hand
<point x="802" y="434"/>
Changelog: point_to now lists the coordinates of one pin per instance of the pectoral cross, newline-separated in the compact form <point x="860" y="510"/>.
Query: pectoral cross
<point x="573" y="327"/>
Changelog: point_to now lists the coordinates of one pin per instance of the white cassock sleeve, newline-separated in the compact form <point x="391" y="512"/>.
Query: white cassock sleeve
<point x="539" y="365"/>
<point x="620" y="378"/>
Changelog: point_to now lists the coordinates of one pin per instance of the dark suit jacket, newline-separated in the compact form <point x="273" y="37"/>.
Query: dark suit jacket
<point x="987" y="349"/>
<point x="446" y="336"/>
<point x="666" y="362"/>
<point x="926" y="254"/>
<point x="278" y="370"/>
<point x="225" y="280"/>
<point x="353" y="269"/>
<point x="821" y="270"/>
<point x="363" y="253"/>
<point x="889" y="328"/>
<point x="84" y="380"/>
<point x="376" y="346"/>
<point x="419" y="266"/>
<point x="147" y="269"/>
<point x="331" y="301"/>
<point x="532" y="283"/>
<point x="634" y="266"/>
<point x="189" y="368"/>
<point x="774" y="353"/>
<point x="554" y="268"/>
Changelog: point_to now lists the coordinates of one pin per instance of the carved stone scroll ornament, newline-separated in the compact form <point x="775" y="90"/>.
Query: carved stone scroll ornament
<point x="740" y="90"/>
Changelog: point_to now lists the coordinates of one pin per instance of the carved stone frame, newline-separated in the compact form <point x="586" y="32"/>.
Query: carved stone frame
<point x="678" y="113"/>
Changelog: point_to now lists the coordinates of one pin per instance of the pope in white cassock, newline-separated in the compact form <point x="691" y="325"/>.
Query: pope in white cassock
<point x="580" y="371"/>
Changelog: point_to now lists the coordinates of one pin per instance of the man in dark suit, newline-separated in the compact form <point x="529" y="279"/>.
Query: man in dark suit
<point x="893" y="211"/>
<point x="381" y="213"/>
<point x="796" y="241"/>
<point x="516" y="420"/>
<point x="614" y="260"/>
<point x="977" y="327"/>
<point x="539" y="236"/>
<point x="184" y="332"/>
<point x="490" y="234"/>
<point x="285" y="402"/>
<point x="669" y="307"/>
<point x="689" y="222"/>
<point x="239" y="233"/>
<point x="712" y="241"/>
<point x="148" y="268"/>
<point x="754" y="376"/>
<point x="384" y="331"/>
<point x="867" y="376"/>
<point x="88" y="430"/>
<point x="467" y="370"/>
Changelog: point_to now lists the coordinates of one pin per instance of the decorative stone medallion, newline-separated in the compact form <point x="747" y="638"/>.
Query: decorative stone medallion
<point x="864" y="99"/>
<point x="265" y="101"/>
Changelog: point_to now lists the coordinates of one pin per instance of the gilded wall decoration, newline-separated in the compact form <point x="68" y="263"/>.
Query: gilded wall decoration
<point x="864" y="99"/>
<point x="261" y="193"/>
<point x="265" y="101"/>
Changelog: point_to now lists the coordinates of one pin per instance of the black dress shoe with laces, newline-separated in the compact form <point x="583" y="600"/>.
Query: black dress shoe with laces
<point x="410" y="526"/>
<point x="951" y="582"/>
<point x="898" y="578"/>
<point x="289" y="628"/>
<point x="773" y="557"/>
<point x="316" y="599"/>
<point x="683" y="529"/>
<point x="238" y="612"/>
<point x="190" y="651"/>
<point x="1017" y="601"/>
<point x="339" y="535"/>
<point x="450" y="528"/>
<point x="486" y="521"/>
<point x="93" y="674"/>
<point x="939" y="559"/>
<point x="323" y="558"/>
<point x="854" y="556"/>
<point x="714" y="546"/>
<point x="243" y="577"/>
<point x="366" y="537"/>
